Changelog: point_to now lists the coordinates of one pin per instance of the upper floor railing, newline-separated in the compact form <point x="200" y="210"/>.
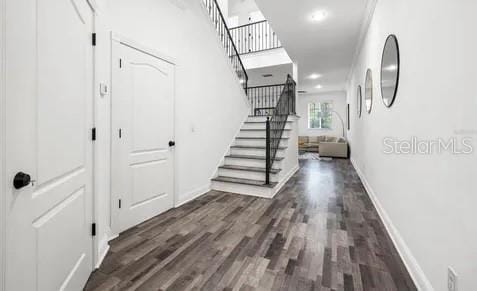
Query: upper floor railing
<point x="263" y="99"/>
<point x="226" y="39"/>
<point x="255" y="37"/>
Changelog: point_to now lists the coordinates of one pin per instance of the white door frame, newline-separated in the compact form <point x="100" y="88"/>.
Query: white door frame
<point x="120" y="39"/>
<point x="2" y="145"/>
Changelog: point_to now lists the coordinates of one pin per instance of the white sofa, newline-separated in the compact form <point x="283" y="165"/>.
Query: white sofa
<point x="337" y="148"/>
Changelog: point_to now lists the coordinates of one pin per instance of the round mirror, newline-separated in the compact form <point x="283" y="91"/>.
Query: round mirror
<point x="390" y="70"/>
<point x="359" y="101"/>
<point x="368" y="91"/>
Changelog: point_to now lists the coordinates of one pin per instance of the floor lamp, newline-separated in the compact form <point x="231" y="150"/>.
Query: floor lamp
<point x="342" y="122"/>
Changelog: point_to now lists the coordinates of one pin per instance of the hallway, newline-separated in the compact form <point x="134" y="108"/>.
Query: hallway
<point x="321" y="232"/>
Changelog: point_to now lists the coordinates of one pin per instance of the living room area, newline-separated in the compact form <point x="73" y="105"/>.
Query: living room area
<point x="323" y="124"/>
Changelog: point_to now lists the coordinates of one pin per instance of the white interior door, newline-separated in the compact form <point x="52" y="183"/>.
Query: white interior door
<point x="142" y="127"/>
<point x="49" y="117"/>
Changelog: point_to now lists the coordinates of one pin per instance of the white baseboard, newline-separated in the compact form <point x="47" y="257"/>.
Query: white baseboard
<point x="193" y="195"/>
<point x="285" y="179"/>
<point x="103" y="250"/>
<point x="410" y="262"/>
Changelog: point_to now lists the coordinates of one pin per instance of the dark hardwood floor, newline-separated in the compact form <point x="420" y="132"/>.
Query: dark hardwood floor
<point x="321" y="232"/>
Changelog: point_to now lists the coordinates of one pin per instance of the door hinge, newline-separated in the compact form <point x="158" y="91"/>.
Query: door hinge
<point x="93" y="134"/>
<point x="93" y="39"/>
<point x="119" y="204"/>
<point x="93" y="229"/>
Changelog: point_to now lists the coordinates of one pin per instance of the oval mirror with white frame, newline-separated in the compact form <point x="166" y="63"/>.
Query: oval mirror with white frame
<point x="368" y="91"/>
<point x="359" y="101"/>
<point x="390" y="67"/>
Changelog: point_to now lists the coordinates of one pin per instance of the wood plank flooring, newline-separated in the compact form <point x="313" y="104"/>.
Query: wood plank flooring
<point x="320" y="232"/>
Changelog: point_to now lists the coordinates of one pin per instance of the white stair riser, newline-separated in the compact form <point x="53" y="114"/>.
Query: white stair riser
<point x="260" y="133"/>
<point x="250" y="163"/>
<point x="257" y="143"/>
<point x="253" y="152"/>
<point x="258" y="176"/>
<point x="257" y="118"/>
<point x="243" y="189"/>
<point x="262" y="126"/>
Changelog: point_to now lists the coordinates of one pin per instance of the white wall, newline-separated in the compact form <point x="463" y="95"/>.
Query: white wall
<point x="290" y="164"/>
<point x="339" y="105"/>
<point x="246" y="11"/>
<point x="268" y="58"/>
<point x="428" y="202"/>
<point x="3" y="188"/>
<point x="210" y="103"/>
<point x="224" y="8"/>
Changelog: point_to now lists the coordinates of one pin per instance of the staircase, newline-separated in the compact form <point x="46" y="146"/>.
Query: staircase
<point x="264" y="154"/>
<point x="244" y="168"/>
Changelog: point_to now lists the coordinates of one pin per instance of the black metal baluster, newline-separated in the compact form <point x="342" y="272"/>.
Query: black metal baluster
<point x="268" y="161"/>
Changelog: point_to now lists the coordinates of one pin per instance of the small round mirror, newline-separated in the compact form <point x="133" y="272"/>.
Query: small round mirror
<point x="359" y="101"/>
<point x="390" y="66"/>
<point x="368" y="91"/>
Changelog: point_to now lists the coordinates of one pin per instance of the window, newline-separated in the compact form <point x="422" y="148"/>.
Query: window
<point x="320" y="115"/>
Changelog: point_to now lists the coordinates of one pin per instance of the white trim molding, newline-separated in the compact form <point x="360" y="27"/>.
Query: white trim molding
<point x="136" y="45"/>
<point x="410" y="262"/>
<point x="369" y="14"/>
<point x="192" y="195"/>
<point x="285" y="180"/>
<point x="3" y="189"/>
<point x="102" y="250"/>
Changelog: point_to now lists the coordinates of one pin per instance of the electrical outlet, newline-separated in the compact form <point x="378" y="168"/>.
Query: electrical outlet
<point x="451" y="279"/>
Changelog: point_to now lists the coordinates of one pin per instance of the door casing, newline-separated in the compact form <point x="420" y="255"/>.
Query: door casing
<point x="120" y="39"/>
<point x="2" y="145"/>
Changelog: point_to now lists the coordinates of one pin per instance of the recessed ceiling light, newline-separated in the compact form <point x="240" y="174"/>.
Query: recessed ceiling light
<point x="314" y="76"/>
<point x="319" y="15"/>
<point x="318" y="86"/>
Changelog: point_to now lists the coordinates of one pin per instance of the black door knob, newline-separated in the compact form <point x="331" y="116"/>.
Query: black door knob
<point x="21" y="180"/>
<point x="172" y="143"/>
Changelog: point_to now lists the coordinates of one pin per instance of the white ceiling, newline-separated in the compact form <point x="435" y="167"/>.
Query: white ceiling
<point x="326" y="47"/>
<point x="279" y="75"/>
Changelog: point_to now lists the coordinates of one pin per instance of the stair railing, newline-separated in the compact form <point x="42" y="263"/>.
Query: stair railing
<point x="264" y="99"/>
<point x="227" y="41"/>
<point x="276" y="124"/>
<point x="255" y="37"/>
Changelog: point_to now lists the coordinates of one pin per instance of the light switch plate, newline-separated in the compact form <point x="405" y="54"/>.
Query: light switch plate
<point x="103" y="89"/>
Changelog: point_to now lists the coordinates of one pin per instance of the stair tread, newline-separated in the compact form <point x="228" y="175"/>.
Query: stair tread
<point x="255" y="122"/>
<point x="243" y="181"/>
<point x="262" y="129"/>
<point x="250" y="169"/>
<point x="251" y="157"/>
<point x="265" y="116"/>
<point x="251" y="137"/>
<point x="253" y="147"/>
